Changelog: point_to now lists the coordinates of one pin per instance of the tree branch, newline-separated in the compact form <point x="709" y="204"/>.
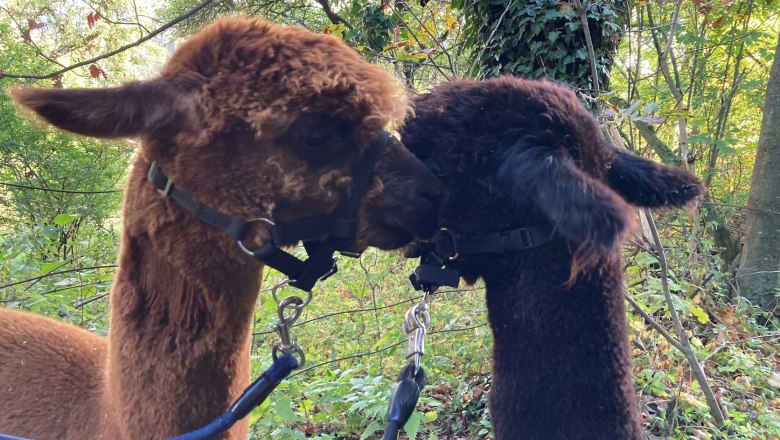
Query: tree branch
<point x="653" y="323"/>
<point x="687" y="350"/>
<point x="332" y="16"/>
<point x="138" y="42"/>
<point x="663" y="55"/>
<point x="64" y="191"/>
<point x="583" y="13"/>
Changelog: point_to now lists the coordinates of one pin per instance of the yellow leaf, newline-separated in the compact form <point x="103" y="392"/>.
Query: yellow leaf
<point x="700" y="314"/>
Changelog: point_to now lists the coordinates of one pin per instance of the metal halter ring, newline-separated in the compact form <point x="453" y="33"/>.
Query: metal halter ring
<point x="241" y="244"/>
<point x="293" y="348"/>
<point x="284" y="283"/>
<point x="448" y="233"/>
<point x="417" y="317"/>
<point x="297" y="308"/>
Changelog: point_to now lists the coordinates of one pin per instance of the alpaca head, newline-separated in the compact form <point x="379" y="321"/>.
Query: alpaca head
<point x="516" y="153"/>
<point x="258" y="120"/>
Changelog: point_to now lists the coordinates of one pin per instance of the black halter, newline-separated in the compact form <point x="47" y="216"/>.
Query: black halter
<point x="446" y="246"/>
<point x="340" y="226"/>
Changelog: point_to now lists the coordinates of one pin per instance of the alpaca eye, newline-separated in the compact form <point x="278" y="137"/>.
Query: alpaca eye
<point x="316" y="137"/>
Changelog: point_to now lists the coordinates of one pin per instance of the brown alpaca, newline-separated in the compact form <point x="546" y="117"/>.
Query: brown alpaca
<point x="538" y="205"/>
<point x="254" y="120"/>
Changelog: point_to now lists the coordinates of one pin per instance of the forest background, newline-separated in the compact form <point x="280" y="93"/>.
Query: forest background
<point x="690" y="83"/>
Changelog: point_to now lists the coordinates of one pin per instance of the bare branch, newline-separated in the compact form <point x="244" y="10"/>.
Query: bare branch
<point x="583" y="13"/>
<point x="653" y="323"/>
<point x="64" y="191"/>
<point x="663" y="56"/>
<point x="51" y="274"/>
<point x="138" y="42"/>
<point x="332" y="16"/>
<point x="687" y="350"/>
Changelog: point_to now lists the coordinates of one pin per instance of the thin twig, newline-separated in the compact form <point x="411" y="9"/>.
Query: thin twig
<point x="495" y="28"/>
<point x="404" y="341"/>
<point x="51" y="274"/>
<point x="653" y="323"/>
<point x="65" y="191"/>
<point x="138" y="42"/>
<point x="687" y="350"/>
<point x="363" y="310"/>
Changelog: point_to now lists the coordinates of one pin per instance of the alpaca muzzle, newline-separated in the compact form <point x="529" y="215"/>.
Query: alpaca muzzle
<point x="340" y="227"/>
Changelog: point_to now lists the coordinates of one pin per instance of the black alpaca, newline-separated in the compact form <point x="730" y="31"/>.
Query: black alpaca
<point x="524" y="154"/>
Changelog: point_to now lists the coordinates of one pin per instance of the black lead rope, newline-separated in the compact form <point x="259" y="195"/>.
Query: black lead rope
<point x="404" y="399"/>
<point x="431" y="274"/>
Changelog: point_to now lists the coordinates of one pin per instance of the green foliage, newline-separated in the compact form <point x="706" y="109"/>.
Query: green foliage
<point x="358" y="354"/>
<point x="354" y="338"/>
<point x="376" y="28"/>
<point x="739" y="354"/>
<point x="543" y="39"/>
<point x="59" y="194"/>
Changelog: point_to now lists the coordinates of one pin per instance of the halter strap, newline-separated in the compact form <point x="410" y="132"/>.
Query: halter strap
<point x="339" y="226"/>
<point x="445" y="246"/>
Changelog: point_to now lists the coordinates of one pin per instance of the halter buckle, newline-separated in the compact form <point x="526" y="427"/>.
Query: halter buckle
<point x="154" y="175"/>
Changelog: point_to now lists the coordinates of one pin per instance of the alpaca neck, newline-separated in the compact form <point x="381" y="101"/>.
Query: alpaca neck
<point x="562" y="366"/>
<point x="182" y="308"/>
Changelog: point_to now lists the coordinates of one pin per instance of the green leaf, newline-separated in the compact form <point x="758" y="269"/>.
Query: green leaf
<point x="64" y="219"/>
<point x="725" y="147"/>
<point x="283" y="409"/>
<point x="413" y="425"/>
<point x="48" y="267"/>
<point x="371" y="429"/>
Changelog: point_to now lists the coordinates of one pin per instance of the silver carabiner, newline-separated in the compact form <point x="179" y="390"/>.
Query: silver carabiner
<point x="284" y="283"/>
<point x="416" y="325"/>
<point x="288" y="345"/>
<point x="294" y="348"/>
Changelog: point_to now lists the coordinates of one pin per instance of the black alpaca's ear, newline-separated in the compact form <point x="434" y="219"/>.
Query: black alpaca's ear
<point x="648" y="184"/>
<point x="129" y="110"/>
<point x="579" y="207"/>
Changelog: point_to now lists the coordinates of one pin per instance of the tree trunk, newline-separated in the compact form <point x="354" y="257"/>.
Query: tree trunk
<point x="758" y="278"/>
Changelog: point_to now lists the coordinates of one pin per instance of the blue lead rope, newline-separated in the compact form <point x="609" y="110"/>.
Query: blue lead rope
<point x="252" y="396"/>
<point x="10" y="437"/>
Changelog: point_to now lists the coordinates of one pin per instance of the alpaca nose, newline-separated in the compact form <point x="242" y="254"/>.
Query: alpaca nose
<point x="433" y="192"/>
<point x="429" y="191"/>
<point x="427" y="200"/>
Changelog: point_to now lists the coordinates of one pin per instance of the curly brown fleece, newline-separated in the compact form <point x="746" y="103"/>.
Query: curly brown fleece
<point x="255" y="120"/>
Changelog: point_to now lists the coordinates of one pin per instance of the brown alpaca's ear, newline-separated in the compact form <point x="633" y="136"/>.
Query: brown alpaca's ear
<point x="580" y="208"/>
<point x="645" y="183"/>
<point x="133" y="109"/>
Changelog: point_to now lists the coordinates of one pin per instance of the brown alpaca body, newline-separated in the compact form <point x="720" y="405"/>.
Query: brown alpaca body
<point x="178" y="355"/>
<point x="276" y="142"/>
<point x="50" y="371"/>
<point x="514" y="153"/>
